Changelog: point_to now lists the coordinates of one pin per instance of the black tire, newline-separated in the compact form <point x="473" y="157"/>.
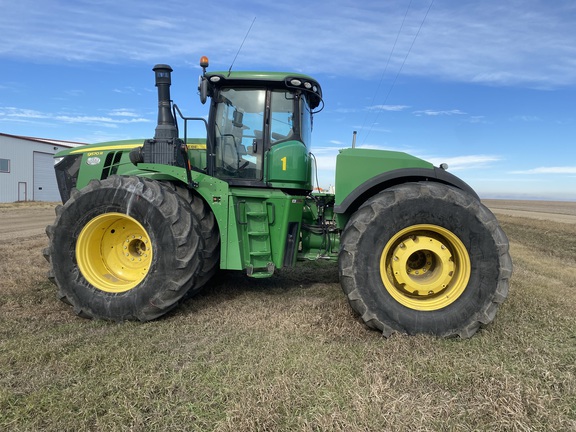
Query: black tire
<point x="210" y="235"/>
<point x="124" y="248"/>
<point x="424" y="258"/>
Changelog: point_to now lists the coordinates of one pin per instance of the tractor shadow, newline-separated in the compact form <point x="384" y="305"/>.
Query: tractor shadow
<point x="228" y="285"/>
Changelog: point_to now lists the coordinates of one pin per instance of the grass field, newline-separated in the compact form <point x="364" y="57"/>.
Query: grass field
<point x="287" y="353"/>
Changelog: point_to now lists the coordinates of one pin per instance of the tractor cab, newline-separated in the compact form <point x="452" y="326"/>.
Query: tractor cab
<point x="259" y="127"/>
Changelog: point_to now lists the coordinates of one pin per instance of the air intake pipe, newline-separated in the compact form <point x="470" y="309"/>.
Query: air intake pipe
<point x="166" y="127"/>
<point x="165" y="148"/>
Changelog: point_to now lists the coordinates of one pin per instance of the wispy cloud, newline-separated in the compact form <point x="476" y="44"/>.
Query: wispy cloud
<point x="548" y="170"/>
<point x="468" y="162"/>
<point x="477" y="119"/>
<point x="525" y="118"/>
<point x="388" y="108"/>
<point x="16" y="113"/>
<point x="115" y="117"/>
<point x="343" y="110"/>
<point x="434" y="113"/>
<point x="94" y="120"/>
<point x="123" y="112"/>
<point x="466" y="41"/>
<point x="128" y="90"/>
<point x="151" y="24"/>
<point x="74" y="92"/>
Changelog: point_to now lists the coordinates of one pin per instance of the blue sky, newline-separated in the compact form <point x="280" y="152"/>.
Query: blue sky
<point x="488" y="87"/>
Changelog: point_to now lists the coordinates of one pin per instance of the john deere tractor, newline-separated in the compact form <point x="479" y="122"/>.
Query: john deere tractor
<point x="147" y="223"/>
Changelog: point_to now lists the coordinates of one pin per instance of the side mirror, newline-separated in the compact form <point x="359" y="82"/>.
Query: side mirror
<point x="203" y="89"/>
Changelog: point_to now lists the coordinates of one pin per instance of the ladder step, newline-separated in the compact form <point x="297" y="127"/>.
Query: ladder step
<point x="261" y="275"/>
<point x="261" y="272"/>
<point x="260" y="253"/>
<point x="258" y="233"/>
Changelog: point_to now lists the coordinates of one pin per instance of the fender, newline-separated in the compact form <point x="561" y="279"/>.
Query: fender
<point x="398" y="176"/>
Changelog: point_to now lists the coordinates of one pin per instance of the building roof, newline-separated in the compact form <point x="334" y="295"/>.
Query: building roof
<point x="45" y="140"/>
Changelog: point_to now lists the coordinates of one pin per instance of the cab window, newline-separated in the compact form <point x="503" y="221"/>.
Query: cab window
<point x="282" y="117"/>
<point x="305" y="122"/>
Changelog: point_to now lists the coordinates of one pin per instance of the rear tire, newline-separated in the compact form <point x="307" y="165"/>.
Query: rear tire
<point x="210" y="236"/>
<point x="424" y="258"/>
<point x="124" y="248"/>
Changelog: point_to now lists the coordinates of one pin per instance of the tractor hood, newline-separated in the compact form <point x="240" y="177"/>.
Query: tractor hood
<point x="104" y="146"/>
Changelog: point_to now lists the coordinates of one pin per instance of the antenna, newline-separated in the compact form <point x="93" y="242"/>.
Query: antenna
<point x="241" y="45"/>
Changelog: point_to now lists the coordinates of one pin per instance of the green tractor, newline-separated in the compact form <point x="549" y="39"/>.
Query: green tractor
<point x="146" y="223"/>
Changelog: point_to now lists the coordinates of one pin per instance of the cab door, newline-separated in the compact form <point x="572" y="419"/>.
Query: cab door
<point x="238" y="136"/>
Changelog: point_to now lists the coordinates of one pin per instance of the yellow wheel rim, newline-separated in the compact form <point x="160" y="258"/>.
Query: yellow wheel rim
<point x="425" y="267"/>
<point x="114" y="252"/>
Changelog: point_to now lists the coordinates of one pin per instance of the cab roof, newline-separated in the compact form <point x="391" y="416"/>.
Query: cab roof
<point x="289" y="80"/>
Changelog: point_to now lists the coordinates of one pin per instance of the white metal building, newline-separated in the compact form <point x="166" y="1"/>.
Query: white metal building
<point x="27" y="168"/>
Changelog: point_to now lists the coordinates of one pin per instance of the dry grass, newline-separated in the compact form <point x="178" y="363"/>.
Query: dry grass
<point x="286" y="353"/>
<point x="26" y="205"/>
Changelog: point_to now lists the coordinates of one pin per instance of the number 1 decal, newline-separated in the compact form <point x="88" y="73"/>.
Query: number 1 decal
<point x="283" y="163"/>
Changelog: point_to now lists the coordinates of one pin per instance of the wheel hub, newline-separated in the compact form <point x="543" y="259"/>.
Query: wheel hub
<point x="114" y="252"/>
<point x="425" y="267"/>
<point x="422" y="265"/>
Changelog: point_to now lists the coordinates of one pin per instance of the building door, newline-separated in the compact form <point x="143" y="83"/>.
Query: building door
<point x="45" y="186"/>
<point x="22" y="191"/>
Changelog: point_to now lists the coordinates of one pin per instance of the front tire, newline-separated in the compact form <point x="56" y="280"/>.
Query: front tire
<point x="124" y="248"/>
<point x="424" y="258"/>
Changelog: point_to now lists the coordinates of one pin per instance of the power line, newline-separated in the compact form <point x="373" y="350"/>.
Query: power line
<point x="387" y="63"/>
<point x="400" y="70"/>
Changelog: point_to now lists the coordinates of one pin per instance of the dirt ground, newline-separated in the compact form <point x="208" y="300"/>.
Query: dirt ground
<point x="22" y="220"/>
<point x="30" y="219"/>
<point x="556" y="211"/>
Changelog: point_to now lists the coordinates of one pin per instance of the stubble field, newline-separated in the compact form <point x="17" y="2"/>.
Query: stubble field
<point x="287" y="353"/>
